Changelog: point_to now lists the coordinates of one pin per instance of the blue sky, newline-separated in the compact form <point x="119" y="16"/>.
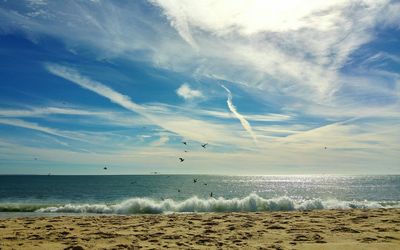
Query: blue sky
<point x="268" y="85"/>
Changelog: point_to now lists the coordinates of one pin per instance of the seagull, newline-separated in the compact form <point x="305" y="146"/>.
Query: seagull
<point x="204" y="145"/>
<point x="194" y="180"/>
<point x="184" y="142"/>
<point x="181" y="159"/>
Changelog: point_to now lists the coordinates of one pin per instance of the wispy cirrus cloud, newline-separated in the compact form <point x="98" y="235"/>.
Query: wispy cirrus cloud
<point x="73" y="76"/>
<point x="37" y="112"/>
<point x="271" y="54"/>
<point x="37" y="127"/>
<point x="185" y="126"/>
<point x="289" y="57"/>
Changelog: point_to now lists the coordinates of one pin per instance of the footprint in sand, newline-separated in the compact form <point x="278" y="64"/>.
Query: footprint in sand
<point x="276" y="226"/>
<point x="74" y="248"/>
<point x="300" y="237"/>
<point x="368" y="239"/>
<point x="344" y="230"/>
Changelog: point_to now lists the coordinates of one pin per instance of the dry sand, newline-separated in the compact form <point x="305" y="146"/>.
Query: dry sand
<point x="328" y="229"/>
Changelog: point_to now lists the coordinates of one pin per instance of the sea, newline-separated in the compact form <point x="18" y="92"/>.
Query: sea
<point x="31" y="195"/>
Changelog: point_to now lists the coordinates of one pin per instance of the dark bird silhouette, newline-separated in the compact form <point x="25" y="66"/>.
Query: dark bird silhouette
<point x="105" y="168"/>
<point x="181" y="159"/>
<point x="194" y="180"/>
<point x="325" y="147"/>
<point x="205" y="184"/>
<point x="211" y="194"/>
<point x="186" y="151"/>
<point x="184" y="142"/>
<point x="204" y="145"/>
<point x="179" y="190"/>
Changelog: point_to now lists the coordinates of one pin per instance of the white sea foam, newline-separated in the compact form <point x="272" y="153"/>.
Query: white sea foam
<point x="251" y="203"/>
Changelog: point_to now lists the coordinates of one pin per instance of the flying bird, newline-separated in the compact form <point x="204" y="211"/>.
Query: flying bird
<point x="184" y="142"/>
<point x="186" y="151"/>
<point x="204" y="145"/>
<point x="105" y="168"/>
<point x="181" y="159"/>
<point x="194" y="180"/>
<point x="325" y="147"/>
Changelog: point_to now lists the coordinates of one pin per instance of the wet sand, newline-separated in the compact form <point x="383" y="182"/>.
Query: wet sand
<point x="324" y="229"/>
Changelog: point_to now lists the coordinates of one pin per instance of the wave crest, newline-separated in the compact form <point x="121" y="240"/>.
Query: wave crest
<point x="251" y="203"/>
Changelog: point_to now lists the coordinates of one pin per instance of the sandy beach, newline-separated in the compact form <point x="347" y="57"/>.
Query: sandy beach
<point x="324" y="229"/>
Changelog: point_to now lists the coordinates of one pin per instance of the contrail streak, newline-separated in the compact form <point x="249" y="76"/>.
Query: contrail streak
<point x="243" y="121"/>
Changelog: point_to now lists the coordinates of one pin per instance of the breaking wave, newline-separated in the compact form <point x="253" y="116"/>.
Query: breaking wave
<point x="251" y="203"/>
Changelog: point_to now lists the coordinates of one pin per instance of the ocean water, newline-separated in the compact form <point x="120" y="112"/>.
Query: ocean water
<point x="152" y="194"/>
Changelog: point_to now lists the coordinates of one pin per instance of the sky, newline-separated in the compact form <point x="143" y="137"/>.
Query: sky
<point x="273" y="87"/>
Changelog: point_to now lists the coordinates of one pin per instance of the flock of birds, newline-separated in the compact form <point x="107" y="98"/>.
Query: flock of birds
<point x="181" y="159"/>
<point x="185" y="143"/>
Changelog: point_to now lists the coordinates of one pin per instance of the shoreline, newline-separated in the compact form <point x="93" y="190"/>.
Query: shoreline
<point x="317" y="229"/>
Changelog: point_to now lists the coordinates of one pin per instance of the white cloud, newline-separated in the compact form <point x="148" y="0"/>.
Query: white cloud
<point x="287" y="53"/>
<point x="37" y="127"/>
<point x="287" y="50"/>
<point x="161" y="141"/>
<point x="271" y="39"/>
<point x="352" y="147"/>
<point x="37" y="112"/>
<point x="243" y="121"/>
<point x="73" y="76"/>
<point x="256" y="118"/>
<point x="187" y="93"/>
<point x="183" y="125"/>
